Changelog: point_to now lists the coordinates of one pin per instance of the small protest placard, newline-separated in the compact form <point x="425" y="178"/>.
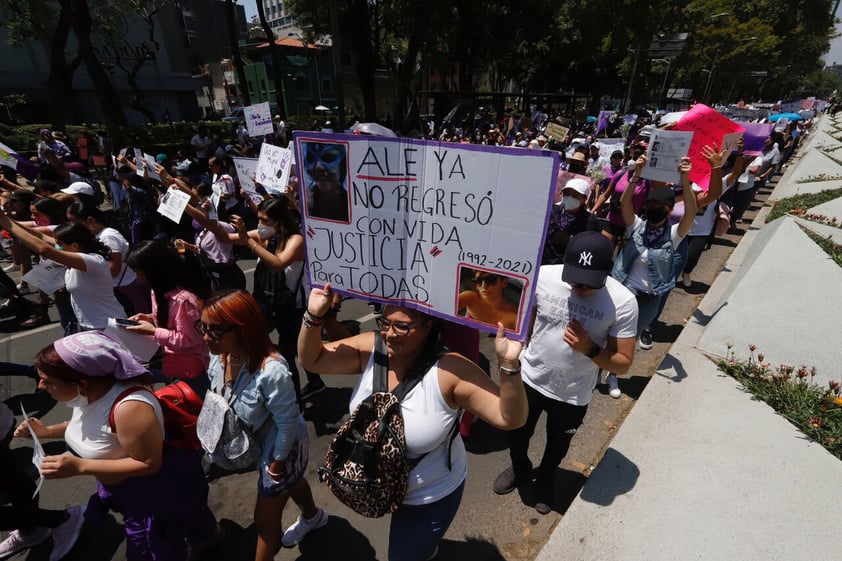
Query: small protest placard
<point x="37" y="452"/>
<point x="150" y="167"/>
<point x="666" y="148"/>
<point x="755" y="137"/>
<point x="273" y="167"/>
<point x="435" y="227"/>
<point x="258" y="119"/>
<point x="709" y="129"/>
<point x="246" y="168"/>
<point x="47" y="276"/>
<point x="173" y="204"/>
<point x="556" y="131"/>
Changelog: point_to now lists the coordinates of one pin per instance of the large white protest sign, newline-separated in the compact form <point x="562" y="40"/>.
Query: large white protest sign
<point x="246" y="168"/>
<point x="273" y="167"/>
<point x="608" y="146"/>
<point x="453" y="230"/>
<point x="258" y="119"/>
<point x="666" y="148"/>
<point x="173" y="204"/>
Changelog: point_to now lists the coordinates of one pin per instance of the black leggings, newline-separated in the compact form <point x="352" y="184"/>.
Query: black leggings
<point x="695" y="246"/>
<point x="18" y="486"/>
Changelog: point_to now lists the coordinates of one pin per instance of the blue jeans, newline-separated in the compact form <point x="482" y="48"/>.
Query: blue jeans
<point x="416" y="531"/>
<point x="648" y="307"/>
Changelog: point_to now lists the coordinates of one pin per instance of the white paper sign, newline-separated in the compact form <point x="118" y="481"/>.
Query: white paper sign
<point x="259" y="119"/>
<point x="730" y="140"/>
<point x="141" y="346"/>
<point x="37" y="452"/>
<point x="419" y="223"/>
<point x="246" y="168"/>
<point x="150" y="167"/>
<point x="47" y="276"/>
<point x="139" y="160"/>
<point x="173" y="204"/>
<point x="666" y="148"/>
<point x="273" y="167"/>
<point x="123" y="152"/>
<point x="608" y="146"/>
<point x="780" y="124"/>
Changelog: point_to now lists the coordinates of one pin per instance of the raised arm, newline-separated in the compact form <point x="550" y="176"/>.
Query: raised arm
<point x="626" y="199"/>
<point x="689" y="197"/>
<point x="338" y="357"/>
<point x="714" y="191"/>
<point x="38" y="243"/>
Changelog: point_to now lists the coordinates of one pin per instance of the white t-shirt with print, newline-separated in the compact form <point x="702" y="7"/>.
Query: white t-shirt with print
<point x="551" y="366"/>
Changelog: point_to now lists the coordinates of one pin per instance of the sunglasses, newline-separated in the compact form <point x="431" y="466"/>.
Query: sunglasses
<point x="214" y="331"/>
<point x="490" y="280"/>
<point x="400" y="328"/>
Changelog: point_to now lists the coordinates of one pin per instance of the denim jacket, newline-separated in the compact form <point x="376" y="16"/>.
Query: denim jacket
<point x="660" y="259"/>
<point x="264" y="395"/>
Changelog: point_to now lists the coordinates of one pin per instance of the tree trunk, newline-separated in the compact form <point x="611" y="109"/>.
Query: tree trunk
<point x="234" y="45"/>
<point x="406" y="71"/>
<point x="60" y="77"/>
<point x="274" y="53"/>
<point x="361" y="40"/>
<point x="109" y="101"/>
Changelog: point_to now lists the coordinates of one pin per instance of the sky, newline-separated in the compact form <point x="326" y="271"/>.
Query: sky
<point x="835" y="53"/>
<point x="251" y="9"/>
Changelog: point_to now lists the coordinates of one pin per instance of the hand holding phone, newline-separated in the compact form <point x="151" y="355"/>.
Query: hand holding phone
<point x="125" y="322"/>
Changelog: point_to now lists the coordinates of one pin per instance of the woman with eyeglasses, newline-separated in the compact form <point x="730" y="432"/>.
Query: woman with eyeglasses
<point x="177" y="295"/>
<point x="486" y="300"/>
<point x="449" y="383"/>
<point x="248" y="371"/>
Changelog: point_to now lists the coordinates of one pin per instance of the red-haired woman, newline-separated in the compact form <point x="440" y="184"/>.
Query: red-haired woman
<point x="248" y="371"/>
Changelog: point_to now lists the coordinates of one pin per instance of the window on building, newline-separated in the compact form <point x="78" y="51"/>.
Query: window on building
<point x="327" y="85"/>
<point x="251" y="87"/>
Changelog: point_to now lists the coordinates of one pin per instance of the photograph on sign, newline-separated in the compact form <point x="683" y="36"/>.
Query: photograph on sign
<point x="325" y="173"/>
<point x="431" y="226"/>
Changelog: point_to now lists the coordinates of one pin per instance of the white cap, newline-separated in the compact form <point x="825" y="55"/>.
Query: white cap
<point x="78" y="188"/>
<point x="581" y="186"/>
<point x="596" y="145"/>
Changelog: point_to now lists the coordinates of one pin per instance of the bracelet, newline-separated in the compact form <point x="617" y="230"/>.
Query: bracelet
<point x="269" y="471"/>
<point x="716" y="167"/>
<point x="252" y="245"/>
<point x="312" y="321"/>
<point x="509" y="371"/>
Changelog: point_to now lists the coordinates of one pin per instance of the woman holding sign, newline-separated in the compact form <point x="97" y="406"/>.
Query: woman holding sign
<point x="448" y="382"/>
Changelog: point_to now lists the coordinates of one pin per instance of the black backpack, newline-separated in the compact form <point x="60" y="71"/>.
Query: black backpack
<point x="366" y="466"/>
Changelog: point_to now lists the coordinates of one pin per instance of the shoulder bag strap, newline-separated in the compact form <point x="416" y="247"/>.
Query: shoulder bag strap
<point x="125" y="393"/>
<point x="380" y="381"/>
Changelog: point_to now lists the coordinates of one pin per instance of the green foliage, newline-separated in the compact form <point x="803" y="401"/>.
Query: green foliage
<point x="815" y="410"/>
<point x="799" y="204"/>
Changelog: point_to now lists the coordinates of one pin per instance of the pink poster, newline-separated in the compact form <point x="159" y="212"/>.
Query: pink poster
<point x="709" y="128"/>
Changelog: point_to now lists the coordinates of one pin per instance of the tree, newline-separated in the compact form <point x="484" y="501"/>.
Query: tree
<point x="236" y="57"/>
<point x="275" y="56"/>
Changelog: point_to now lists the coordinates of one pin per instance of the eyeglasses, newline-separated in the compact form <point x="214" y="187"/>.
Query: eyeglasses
<point x="490" y="280"/>
<point x="215" y="331"/>
<point x="400" y="328"/>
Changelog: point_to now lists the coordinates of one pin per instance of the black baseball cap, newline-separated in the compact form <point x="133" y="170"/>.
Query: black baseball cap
<point x="588" y="260"/>
<point x="662" y="195"/>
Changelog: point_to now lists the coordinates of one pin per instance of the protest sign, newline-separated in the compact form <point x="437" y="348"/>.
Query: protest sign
<point x="780" y="124"/>
<point x="666" y="148"/>
<point x="258" y="119"/>
<point x="47" y="276"/>
<point x="556" y="131"/>
<point x="273" y="167"/>
<point x="150" y="167"/>
<point x="38" y="454"/>
<point x="443" y="228"/>
<point x="139" y="160"/>
<point x="708" y="128"/>
<point x="246" y="168"/>
<point x="173" y="204"/>
<point x="755" y="137"/>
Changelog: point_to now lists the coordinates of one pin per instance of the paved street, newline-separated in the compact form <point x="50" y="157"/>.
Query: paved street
<point x="487" y="527"/>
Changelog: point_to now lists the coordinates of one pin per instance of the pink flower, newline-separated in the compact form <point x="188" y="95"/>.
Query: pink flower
<point x="760" y="357"/>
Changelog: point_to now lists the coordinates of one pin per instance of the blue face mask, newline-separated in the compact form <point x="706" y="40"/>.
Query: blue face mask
<point x="58" y="247"/>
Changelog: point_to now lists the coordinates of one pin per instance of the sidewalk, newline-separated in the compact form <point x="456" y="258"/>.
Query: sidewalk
<point x="699" y="469"/>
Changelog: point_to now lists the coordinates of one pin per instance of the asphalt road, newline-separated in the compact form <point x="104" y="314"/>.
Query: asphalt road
<point x="488" y="527"/>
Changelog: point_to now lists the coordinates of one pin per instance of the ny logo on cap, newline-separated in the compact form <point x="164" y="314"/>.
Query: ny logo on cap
<point x="585" y="258"/>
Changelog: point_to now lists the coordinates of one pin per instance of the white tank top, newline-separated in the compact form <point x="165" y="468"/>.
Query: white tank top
<point x="89" y="432"/>
<point x="428" y="421"/>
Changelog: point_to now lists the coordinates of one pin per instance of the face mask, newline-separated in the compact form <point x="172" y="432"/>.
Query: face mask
<point x="570" y="203"/>
<point x="78" y="401"/>
<point x="656" y="214"/>
<point x="58" y="247"/>
<point x="42" y="222"/>
<point x="265" y="232"/>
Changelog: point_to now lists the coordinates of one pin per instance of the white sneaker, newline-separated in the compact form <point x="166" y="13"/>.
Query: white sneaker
<point x="23" y="289"/>
<point x="301" y="527"/>
<point x="13" y="268"/>
<point x="686" y="281"/>
<point x="66" y="533"/>
<point x="613" y="386"/>
<point x="18" y="542"/>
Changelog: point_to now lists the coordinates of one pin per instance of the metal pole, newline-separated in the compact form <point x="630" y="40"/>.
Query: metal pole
<point x="337" y="65"/>
<point x="627" y="102"/>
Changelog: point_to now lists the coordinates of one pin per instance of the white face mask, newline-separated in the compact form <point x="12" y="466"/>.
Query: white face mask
<point x="78" y="401"/>
<point x="570" y="203"/>
<point x="265" y="232"/>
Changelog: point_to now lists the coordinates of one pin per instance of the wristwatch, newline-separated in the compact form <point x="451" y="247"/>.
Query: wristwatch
<point x="595" y="350"/>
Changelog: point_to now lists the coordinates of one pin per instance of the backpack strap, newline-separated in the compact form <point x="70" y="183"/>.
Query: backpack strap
<point x="125" y="393"/>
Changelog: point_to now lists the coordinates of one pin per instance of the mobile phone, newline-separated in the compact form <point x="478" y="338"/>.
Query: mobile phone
<point x="125" y="322"/>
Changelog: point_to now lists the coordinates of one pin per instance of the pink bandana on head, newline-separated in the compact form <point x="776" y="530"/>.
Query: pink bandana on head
<point x="94" y="353"/>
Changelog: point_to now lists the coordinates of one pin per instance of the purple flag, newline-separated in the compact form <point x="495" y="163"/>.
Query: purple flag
<point x="602" y="124"/>
<point x="755" y="137"/>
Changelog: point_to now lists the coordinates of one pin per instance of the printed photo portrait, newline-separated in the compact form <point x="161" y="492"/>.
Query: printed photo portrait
<point x="489" y="297"/>
<point x="326" y="180"/>
<point x="656" y="146"/>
